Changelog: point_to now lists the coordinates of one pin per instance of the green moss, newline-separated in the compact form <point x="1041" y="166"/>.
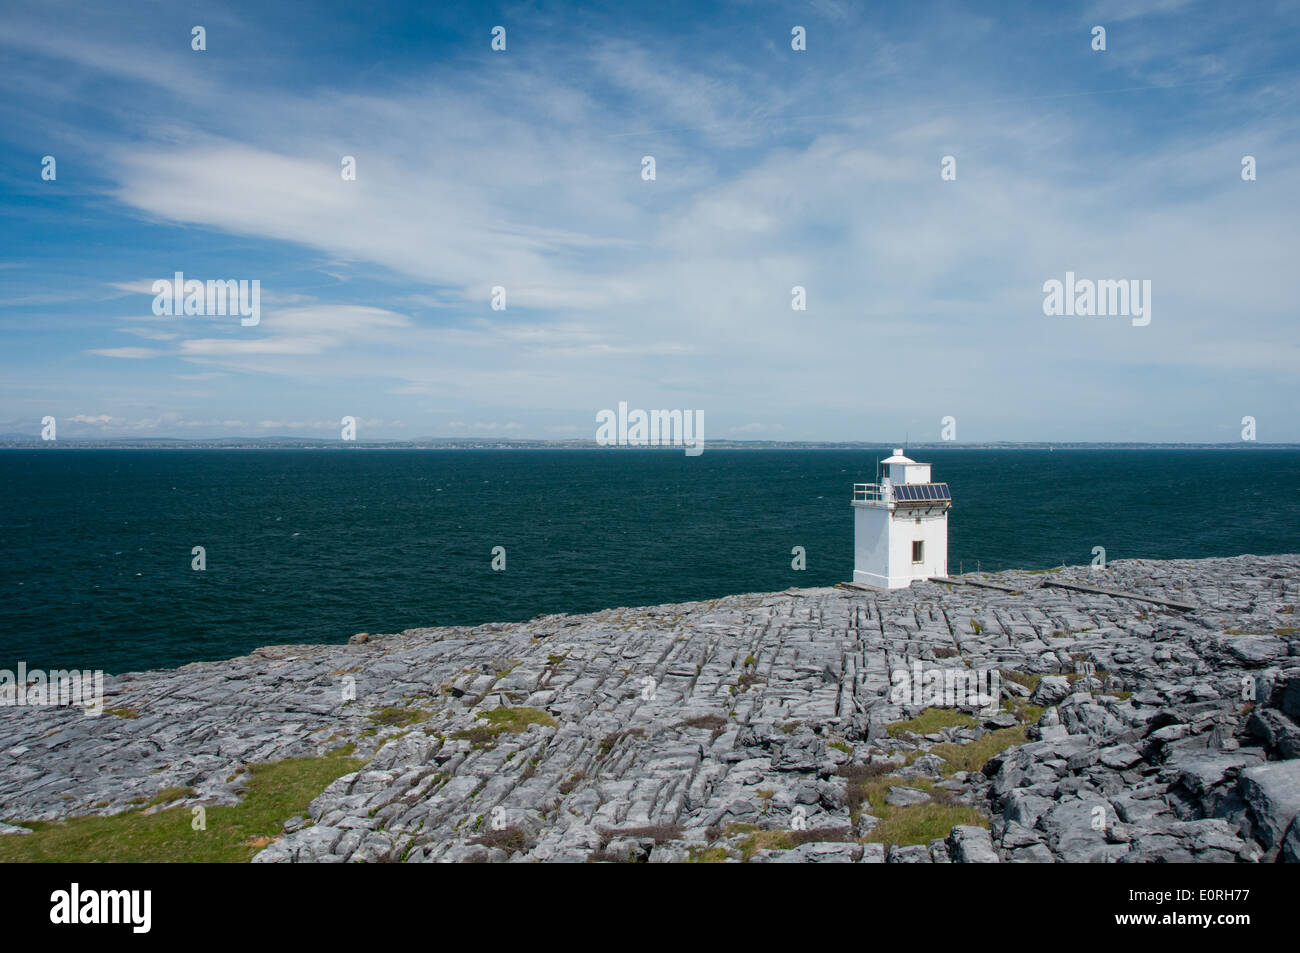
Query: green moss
<point x="517" y="719"/>
<point x="398" y="716"/>
<point x="930" y="721"/>
<point x="275" y="792"/>
<point x="123" y="712"/>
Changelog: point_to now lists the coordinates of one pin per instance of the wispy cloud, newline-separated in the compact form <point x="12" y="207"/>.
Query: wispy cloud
<point x="774" y="169"/>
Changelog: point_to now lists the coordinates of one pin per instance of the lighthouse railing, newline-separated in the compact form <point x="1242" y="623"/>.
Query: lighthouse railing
<point x="870" y="493"/>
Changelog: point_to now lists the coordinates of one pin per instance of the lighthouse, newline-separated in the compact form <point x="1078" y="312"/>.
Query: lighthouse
<point x="900" y="526"/>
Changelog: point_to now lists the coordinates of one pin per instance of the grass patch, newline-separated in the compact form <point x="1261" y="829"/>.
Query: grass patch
<point x="860" y="778"/>
<point x="123" y="712"/>
<point x="709" y="855"/>
<point x="922" y="823"/>
<point x="976" y="754"/>
<point x="930" y="721"/>
<point x="276" y="791"/>
<point x="501" y="721"/>
<point x="910" y="824"/>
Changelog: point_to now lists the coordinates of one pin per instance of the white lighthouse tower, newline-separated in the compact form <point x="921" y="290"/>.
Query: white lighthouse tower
<point x="900" y="526"/>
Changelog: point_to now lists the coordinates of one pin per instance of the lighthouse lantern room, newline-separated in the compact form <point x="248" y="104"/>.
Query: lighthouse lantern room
<point x="900" y="526"/>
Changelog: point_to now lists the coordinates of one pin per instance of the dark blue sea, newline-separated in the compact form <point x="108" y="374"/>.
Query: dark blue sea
<point x="314" y="546"/>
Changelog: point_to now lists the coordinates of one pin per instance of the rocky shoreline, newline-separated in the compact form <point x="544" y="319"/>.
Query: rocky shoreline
<point x="756" y="727"/>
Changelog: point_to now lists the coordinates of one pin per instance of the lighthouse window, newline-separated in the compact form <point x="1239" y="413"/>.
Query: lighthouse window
<point x="918" y="551"/>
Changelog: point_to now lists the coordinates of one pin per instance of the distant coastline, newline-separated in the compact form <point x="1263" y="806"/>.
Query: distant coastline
<point x="22" y="442"/>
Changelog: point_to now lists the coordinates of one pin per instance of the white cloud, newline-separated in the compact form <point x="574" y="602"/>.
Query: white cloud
<point x="127" y="353"/>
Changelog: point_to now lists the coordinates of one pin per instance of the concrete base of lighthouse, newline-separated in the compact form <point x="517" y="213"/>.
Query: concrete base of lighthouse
<point x="884" y="583"/>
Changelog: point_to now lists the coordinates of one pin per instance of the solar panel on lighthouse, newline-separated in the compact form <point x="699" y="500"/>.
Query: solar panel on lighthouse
<point x="921" y="492"/>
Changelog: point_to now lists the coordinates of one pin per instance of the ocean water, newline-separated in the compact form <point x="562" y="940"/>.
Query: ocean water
<point x="313" y="546"/>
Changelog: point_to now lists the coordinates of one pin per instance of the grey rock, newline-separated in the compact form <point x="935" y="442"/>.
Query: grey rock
<point x="1272" y="795"/>
<point x="1050" y="690"/>
<point x="1278" y="732"/>
<point x="913" y="854"/>
<point x="873" y="854"/>
<point x="655" y="778"/>
<point x="1120" y="757"/>
<point x="972" y="845"/>
<point x="819" y="853"/>
<point x="1291" y="844"/>
<point x="1032" y="854"/>
<point x="903" y="796"/>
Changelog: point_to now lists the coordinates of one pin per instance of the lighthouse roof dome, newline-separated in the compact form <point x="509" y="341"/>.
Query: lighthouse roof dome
<point x="897" y="458"/>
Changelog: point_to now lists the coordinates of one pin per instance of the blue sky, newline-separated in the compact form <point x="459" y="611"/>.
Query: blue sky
<point x="774" y="168"/>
